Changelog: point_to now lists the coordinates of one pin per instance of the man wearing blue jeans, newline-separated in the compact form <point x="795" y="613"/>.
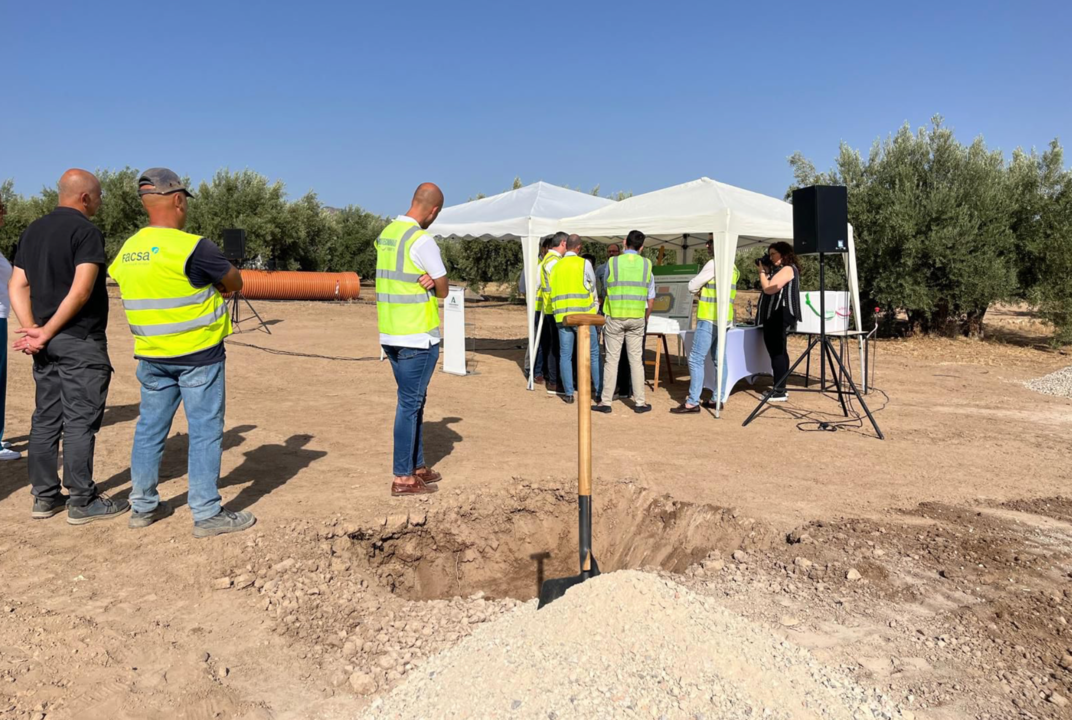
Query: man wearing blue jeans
<point x="410" y="276"/>
<point x="573" y="291"/>
<point x="705" y="338"/>
<point x="171" y="283"/>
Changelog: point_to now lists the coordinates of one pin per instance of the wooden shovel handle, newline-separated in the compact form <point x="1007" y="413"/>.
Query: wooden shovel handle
<point x="582" y="320"/>
<point x="584" y="403"/>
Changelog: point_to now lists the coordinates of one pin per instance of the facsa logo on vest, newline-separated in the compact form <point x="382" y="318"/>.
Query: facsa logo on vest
<point x="140" y="257"/>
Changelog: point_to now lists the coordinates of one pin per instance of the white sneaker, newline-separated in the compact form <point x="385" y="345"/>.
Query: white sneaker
<point x="6" y="454"/>
<point x="5" y="445"/>
<point x="779" y="397"/>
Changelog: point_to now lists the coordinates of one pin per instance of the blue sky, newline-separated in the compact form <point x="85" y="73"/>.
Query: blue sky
<point x="361" y="101"/>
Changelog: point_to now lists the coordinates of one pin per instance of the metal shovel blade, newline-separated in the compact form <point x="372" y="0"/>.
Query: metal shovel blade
<point x="552" y="590"/>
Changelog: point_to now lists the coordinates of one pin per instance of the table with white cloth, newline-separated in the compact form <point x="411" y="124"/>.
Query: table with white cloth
<point x="746" y="356"/>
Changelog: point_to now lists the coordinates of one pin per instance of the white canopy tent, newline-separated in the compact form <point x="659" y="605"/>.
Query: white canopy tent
<point x="526" y="214"/>
<point x="737" y="218"/>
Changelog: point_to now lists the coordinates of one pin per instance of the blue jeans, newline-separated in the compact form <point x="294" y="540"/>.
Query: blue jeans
<point x="203" y="393"/>
<point x="3" y="373"/>
<point x="413" y="369"/>
<point x="704" y="340"/>
<point x="567" y="338"/>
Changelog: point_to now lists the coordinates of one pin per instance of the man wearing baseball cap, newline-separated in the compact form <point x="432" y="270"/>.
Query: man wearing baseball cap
<point x="171" y="283"/>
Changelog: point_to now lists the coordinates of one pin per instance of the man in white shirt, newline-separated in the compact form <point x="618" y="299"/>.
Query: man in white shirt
<point x="410" y="276"/>
<point x="6" y="453"/>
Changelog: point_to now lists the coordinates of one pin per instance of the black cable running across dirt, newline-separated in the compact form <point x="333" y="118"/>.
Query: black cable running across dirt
<point x="290" y="353"/>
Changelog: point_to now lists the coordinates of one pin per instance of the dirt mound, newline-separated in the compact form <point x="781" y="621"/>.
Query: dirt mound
<point x="628" y="644"/>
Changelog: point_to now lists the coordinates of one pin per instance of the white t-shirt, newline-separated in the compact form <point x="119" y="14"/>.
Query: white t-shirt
<point x="5" y="277"/>
<point x="424" y="253"/>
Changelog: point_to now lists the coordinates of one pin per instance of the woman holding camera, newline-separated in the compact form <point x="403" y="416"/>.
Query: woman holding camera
<point x="779" y="309"/>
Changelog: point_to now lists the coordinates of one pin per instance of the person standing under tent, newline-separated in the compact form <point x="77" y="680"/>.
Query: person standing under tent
<point x="613" y="251"/>
<point x="172" y="283"/>
<point x="779" y="309"/>
<point x="410" y="276"/>
<point x="630" y="296"/>
<point x="6" y="453"/>
<point x="58" y="294"/>
<point x="549" y="347"/>
<point x="573" y="292"/>
<point x="705" y="339"/>
<point x="522" y="289"/>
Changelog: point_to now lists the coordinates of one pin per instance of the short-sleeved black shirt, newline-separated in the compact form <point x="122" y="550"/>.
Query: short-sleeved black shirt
<point x="205" y="266"/>
<point x="49" y="250"/>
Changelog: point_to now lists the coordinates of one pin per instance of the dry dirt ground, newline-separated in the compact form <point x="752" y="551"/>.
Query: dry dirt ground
<point x="933" y="566"/>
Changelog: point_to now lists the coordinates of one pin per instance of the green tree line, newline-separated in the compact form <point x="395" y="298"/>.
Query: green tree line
<point x="943" y="230"/>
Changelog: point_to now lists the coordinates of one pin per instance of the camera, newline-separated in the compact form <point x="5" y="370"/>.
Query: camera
<point x="764" y="262"/>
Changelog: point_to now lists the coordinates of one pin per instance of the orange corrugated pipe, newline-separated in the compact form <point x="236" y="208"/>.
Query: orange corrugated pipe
<point x="295" y="285"/>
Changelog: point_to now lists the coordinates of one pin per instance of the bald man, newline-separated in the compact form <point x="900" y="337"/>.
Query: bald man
<point x="410" y="276"/>
<point x="58" y="295"/>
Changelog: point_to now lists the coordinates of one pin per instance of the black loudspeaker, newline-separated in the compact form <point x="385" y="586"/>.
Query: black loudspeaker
<point x="234" y="244"/>
<point x="820" y="220"/>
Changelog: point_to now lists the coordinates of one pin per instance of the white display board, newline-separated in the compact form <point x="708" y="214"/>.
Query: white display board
<point x="454" y="331"/>
<point x="838" y="311"/>
<point x="672" y="298"/>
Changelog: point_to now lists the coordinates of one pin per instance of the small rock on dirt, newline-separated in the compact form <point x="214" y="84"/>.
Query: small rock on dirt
<point x="1057" y="700"/>
<point x="740" y="556"/>
<point x="362" y="683"/>
<point x="853" y="575"/>
<point x="803" y="563"/>
<point x="221" y="583"/>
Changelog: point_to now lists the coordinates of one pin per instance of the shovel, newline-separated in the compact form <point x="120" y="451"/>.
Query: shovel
<point x="553" y="589"/>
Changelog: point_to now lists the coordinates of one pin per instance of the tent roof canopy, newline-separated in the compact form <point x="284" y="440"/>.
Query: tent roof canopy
<point x="696" y="208"/>
<point x="532" y="210"/>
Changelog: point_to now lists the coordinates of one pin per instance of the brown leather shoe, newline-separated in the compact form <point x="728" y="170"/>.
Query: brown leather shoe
<point x="417" y="487"/>
<point x="684" y="409"/>
<point x="427" y="475"/>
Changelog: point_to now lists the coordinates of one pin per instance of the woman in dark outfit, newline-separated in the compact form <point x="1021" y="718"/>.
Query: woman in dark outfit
<point x="779" y="309"/>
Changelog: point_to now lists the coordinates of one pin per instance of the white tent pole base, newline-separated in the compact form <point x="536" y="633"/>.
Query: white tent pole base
<point x="532" y="355"/>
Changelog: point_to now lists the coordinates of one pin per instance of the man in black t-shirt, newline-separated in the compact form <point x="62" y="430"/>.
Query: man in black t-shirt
<point x="58" y="295"/>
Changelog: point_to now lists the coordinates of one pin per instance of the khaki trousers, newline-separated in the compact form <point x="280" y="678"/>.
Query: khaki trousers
<point x="631" y="332"/>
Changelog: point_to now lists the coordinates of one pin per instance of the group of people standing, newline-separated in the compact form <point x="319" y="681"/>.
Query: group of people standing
<point x="171" y="284"/>
<point x="623" y="290"/>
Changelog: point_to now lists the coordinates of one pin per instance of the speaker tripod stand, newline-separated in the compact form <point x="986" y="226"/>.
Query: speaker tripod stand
<point x="827" y="356"/>
<point x="237" y="298"/>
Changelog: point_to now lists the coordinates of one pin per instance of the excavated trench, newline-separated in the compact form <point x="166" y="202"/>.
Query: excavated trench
<point x="505" y="545"/>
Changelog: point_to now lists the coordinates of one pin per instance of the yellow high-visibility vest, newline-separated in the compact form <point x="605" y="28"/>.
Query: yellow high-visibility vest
<point x="569" y="296"/>
<point x="167" y="315"/>
<point x="628" y="281"/>
<point x="709" y="299"/>
<point x="403" y="307"/>
<point x="546" y="265"/>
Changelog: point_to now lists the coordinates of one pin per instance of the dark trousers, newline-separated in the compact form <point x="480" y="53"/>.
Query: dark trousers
<point x="774" y="337"/>
<point x="72" y="378"/>
<point x="549" y="350"/>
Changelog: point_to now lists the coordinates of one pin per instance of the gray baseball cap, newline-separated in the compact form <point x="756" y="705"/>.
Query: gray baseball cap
<point x="161" y="181"/>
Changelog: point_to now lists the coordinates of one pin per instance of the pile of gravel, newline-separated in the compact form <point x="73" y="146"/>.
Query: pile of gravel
<point x="627" y="644"/>
<point x="1056" y="383"/>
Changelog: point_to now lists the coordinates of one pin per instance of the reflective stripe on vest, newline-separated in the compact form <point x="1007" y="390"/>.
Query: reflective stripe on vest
<point x="709" y="299"/>
<point x="546" y="266"/>
<point x="403" y="307"/>
<point x="568" y="294"/>
<point x="167" y="315"/>
<point x="628" y="282"/>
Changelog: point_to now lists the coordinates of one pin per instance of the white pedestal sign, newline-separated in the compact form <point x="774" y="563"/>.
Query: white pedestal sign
<point x="454" y="331"/>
